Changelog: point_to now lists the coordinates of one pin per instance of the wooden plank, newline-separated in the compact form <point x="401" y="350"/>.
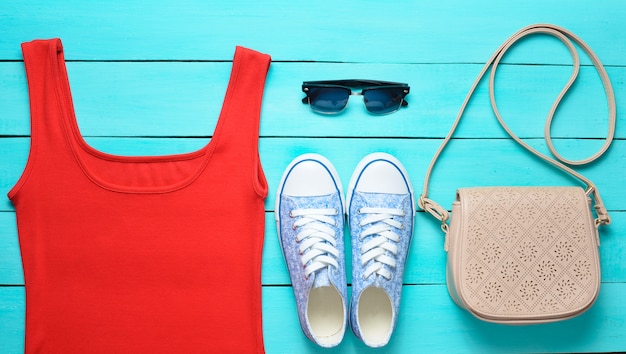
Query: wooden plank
<point x="467" y="162"/>
<point x="347" y="31"/>
<point x="11" y="272"/>
<point x="428" y="320"/>
<point x="12" y="312"/>
<point x="483" y="161"/>
<point x="426" y="262"/>
<point x="184" y="99"/>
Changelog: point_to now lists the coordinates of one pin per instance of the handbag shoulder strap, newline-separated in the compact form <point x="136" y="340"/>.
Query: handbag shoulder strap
<point x="566" y="37"/>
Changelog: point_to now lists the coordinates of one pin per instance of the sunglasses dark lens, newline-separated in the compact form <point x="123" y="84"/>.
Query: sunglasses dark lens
<point x="328" y="99"/>
<point x="383" y="100"/>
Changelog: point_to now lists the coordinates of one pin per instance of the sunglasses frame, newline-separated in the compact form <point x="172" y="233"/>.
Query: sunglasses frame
<point x="348" y="84"/>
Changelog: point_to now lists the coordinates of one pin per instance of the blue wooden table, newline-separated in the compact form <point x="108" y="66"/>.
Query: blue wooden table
<point x="149" y="78"/>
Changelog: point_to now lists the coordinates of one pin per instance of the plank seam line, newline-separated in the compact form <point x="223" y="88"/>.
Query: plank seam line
<point x="308" y="62"/>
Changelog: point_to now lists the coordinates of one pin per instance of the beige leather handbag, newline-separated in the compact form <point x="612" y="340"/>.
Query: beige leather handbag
<point x="522" y="255"/>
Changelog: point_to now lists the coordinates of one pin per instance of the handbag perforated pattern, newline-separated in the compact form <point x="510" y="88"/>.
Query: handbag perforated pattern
<point x="527" y="252"/>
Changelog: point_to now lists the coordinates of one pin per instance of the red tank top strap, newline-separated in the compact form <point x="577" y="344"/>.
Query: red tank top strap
<point x="41" y="59"/>
<point x="237" y="132"/>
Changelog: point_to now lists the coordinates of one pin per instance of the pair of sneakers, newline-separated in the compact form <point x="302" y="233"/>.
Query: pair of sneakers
<point x="310" y="218"/>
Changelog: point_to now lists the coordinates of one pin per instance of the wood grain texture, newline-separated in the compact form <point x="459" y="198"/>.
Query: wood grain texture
<point x="426" y="263"/>
<point x="184" y="99"/>
<point x="430" y="322"/>
<point x="149" y="79"/>
<point x="346" y="31"/>
<point x="468" y="162"/>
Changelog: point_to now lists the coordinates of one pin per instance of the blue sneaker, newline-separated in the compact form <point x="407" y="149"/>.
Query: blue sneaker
<point x="381" y="211"/>
<point x="310" y="221"/>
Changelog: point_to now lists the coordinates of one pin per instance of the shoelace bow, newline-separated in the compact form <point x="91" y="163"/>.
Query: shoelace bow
<point x="318" y="244"/>
<point x="382" y="249"/>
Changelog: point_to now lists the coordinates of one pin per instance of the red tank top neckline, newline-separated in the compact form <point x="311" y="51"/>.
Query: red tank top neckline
<point x="79" y="146"/>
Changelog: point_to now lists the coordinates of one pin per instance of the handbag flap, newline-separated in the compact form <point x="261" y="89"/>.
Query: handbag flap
<point x="526" y="253"/>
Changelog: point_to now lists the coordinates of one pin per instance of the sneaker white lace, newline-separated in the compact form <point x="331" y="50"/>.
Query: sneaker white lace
<point x="383" y="248"/>
<point x="317" y="241"/>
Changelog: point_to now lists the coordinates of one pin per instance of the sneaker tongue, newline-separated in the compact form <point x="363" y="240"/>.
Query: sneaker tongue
<point x="379" y="281"/>
<point x="322" y="278"/>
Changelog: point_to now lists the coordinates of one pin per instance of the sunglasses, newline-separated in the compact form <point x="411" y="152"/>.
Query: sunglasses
<point x="331" y="97"/>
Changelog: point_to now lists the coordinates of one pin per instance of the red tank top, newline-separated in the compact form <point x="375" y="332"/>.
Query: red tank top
<point x="157" y="254"/>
